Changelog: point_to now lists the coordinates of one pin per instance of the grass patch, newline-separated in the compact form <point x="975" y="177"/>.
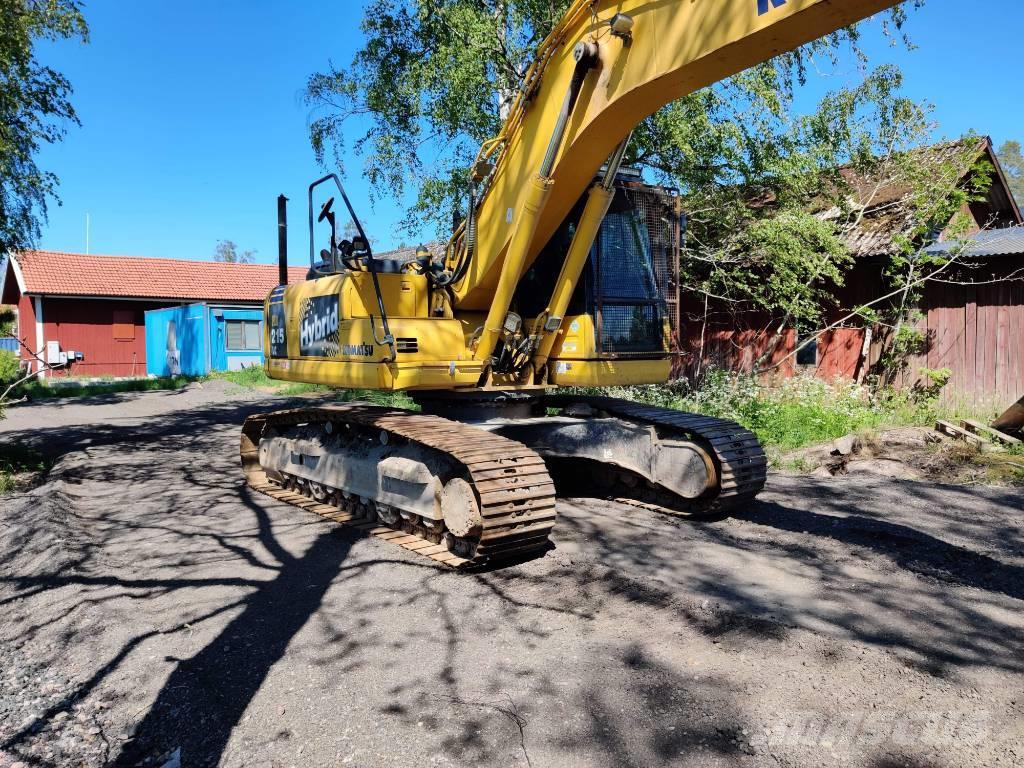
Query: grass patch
<point x="996" y="467"/>
<point x="379" y="397"/>
<point x="254" y="377"/>
<point x="37" y="390"/>
<point x="799" y="412"/>
<point x="18" y="463"/>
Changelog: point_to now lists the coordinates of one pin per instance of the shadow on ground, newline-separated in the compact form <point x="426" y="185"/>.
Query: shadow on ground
<point x="232" y="626"/>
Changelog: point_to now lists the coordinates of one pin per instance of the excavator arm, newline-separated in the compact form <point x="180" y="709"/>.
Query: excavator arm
<point x="606" y="66"/>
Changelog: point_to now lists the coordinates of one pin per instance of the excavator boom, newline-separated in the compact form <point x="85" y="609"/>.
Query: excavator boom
<point x="670" y="50"/>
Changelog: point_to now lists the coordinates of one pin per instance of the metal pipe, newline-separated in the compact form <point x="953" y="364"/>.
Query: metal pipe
<point x="614" y="163"/>
<point x="282" y="240"/>
<point x="586" y="57"/>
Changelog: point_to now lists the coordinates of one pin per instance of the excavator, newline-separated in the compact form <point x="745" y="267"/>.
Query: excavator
<point x="546" y="284"/>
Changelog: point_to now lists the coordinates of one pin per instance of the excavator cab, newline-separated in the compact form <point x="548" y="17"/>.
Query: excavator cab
<point x="626" y="290"/>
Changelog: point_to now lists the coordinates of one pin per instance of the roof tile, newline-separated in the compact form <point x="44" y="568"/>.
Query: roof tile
<point x="78" y="274"/>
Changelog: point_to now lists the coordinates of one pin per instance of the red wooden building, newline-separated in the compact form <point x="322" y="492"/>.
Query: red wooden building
<point x="976" y="331"/>
<point x="94" y="305"/>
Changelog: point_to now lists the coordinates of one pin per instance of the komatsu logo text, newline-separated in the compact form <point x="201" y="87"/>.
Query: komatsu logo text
<point x="762" y="5"/>
<point x="357" y="350"/>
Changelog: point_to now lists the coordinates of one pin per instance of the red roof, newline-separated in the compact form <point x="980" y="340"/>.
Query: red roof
<point x="76" y="274"/>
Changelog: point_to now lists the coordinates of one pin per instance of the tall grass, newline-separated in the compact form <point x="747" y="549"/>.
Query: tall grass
<point x="795" y="413"/>
<point x="17" y="460"/>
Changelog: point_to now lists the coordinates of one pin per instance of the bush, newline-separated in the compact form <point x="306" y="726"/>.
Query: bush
<point x="800" y="411"/>
<point x="17" y="460"/>
<point x="7" y="320"/>
<point x="8" y="373"/>
<point x="8" y="368"/>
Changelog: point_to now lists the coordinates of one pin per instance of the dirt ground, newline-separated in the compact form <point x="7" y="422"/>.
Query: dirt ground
<point x="154" y="611"/>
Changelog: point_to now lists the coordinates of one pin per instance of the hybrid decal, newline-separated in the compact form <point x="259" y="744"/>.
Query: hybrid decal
<point x="278" y="335"/>
<point x="762" y="6"/>
<point x="318" y="326"/>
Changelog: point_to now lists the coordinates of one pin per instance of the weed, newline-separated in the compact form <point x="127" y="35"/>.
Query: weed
<point x="254" y="377"/>
<point x="798" y="412"/>
<point x="16" y="461"/>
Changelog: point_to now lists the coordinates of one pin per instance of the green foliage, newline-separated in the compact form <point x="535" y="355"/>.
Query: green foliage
<point x="787" y="258"/>
<point x="932" y="383"/>
<point x="227" y="252"/>
<point x="8" y="373"/>
<point x="18" y="460"/>
<point x="34" y="110"/>
<point x="7" y="316"/>
<point x="799" y="412"/>
<point x="434" y="77"/>
<point x="1012" y="160"/>
<point x="37" y="390"/>
<point x="8" y="368"/>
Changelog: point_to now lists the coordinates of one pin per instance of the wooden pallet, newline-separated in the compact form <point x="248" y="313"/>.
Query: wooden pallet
<point x="975" y="433"/>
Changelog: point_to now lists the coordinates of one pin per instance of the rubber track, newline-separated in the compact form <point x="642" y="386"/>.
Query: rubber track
<point x="739" y="458"/>
<point x="516" y="494"/>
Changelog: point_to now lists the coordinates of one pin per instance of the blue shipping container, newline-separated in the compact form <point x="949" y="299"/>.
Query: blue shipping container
<point x="196" y="339"/>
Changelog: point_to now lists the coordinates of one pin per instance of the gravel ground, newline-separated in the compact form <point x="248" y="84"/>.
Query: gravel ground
<point x="157" y="612"/>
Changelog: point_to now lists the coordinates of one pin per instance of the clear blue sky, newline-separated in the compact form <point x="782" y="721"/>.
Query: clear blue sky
<point x="193" y="121"/>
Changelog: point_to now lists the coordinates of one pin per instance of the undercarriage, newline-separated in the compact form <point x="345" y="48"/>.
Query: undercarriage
<point x="472" y="486"/>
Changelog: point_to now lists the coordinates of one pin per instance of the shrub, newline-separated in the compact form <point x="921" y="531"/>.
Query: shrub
<point x="8" y="368"/>
<point x="800" y="411"/>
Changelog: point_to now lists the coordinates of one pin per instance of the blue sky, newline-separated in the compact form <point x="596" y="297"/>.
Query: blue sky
<point x="193" y="120"/>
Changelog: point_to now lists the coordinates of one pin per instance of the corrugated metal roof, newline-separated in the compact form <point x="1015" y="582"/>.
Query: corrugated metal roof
<point x="992" y="242"/>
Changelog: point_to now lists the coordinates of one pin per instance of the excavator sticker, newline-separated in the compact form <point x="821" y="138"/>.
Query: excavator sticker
<point x="318" y="326"/>
<point x="762" y="5"/>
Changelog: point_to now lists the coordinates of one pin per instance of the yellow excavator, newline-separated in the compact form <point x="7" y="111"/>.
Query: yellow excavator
<point x="549" y="282"/>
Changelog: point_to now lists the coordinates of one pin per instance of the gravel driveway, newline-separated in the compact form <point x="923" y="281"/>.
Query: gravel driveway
<point x="157" y="612"/>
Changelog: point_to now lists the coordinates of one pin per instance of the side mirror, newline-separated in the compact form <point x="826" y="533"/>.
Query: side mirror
<point x="325" y="210"/>
<point x="359" y="244"/>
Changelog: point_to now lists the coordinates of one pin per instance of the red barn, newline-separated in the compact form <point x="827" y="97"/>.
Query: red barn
<point x="972" y="326"/>
<point x="94" y="305"/>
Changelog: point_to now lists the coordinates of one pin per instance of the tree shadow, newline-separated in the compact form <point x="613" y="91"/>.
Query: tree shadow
<point x="216" y="685"/>
<point x="583" y="652"/>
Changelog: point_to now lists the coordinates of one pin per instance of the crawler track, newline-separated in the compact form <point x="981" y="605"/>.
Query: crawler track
<point x="515" y="493"/>
<point x="739" y="459"/>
